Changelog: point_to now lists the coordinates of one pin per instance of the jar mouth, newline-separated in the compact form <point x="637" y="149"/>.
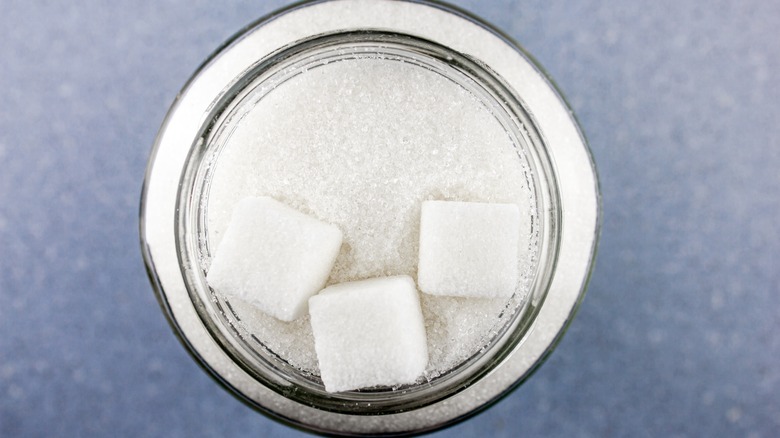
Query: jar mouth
<point x="567" y="206"/>
<point x="195" y="247"/>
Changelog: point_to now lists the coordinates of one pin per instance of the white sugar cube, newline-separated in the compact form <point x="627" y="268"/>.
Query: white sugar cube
<point x="274" y="257"/>
<point x="369" y="333"/>
<point x="468" y="249"/>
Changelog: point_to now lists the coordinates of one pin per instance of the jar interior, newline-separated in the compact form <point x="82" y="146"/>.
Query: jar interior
<point x="358" y="129"/>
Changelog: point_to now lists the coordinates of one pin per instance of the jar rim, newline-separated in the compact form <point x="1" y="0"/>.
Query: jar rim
<point x="576" y="220"/>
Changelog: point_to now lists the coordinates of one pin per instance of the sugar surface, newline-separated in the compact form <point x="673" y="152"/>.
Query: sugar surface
<point x="458" y="327"/>
<point x="360" y="144"/>
<point x="468" y="249"/>
<point x="292" y="341"/>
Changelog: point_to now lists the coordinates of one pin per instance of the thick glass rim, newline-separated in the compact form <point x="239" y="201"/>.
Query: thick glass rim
<point x="569" y="160"/>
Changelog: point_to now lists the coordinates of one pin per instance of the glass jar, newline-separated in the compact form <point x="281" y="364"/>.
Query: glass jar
<point x="184" y="200"/>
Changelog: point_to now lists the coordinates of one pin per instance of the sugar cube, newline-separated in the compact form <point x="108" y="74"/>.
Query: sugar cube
<point x="468" y="249"/>
<point x="369" y="333"/>
<point x="274" y="257"/>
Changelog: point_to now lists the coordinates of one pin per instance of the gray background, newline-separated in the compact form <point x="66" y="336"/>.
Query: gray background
<point x="678" y="335"/>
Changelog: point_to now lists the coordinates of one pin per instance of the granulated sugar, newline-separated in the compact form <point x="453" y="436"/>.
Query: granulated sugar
<point x="468" y="249"/>
<point x="361" y="144"/>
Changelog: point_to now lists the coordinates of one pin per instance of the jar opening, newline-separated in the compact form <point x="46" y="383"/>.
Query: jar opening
<point x="207" y="190"/>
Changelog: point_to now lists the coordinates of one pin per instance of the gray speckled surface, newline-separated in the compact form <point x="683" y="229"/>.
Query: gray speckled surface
<point x="678" y="335"/>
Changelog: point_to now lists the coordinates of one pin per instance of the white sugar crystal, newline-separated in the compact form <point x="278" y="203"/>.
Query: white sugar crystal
<point x="369" y="333"/>
<point x="455" y="325"/>
<point x="386" y="137"/>
<point x="274" y="257"/>
<point x="468" y="249"/>
<point x="292" y="341"/>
